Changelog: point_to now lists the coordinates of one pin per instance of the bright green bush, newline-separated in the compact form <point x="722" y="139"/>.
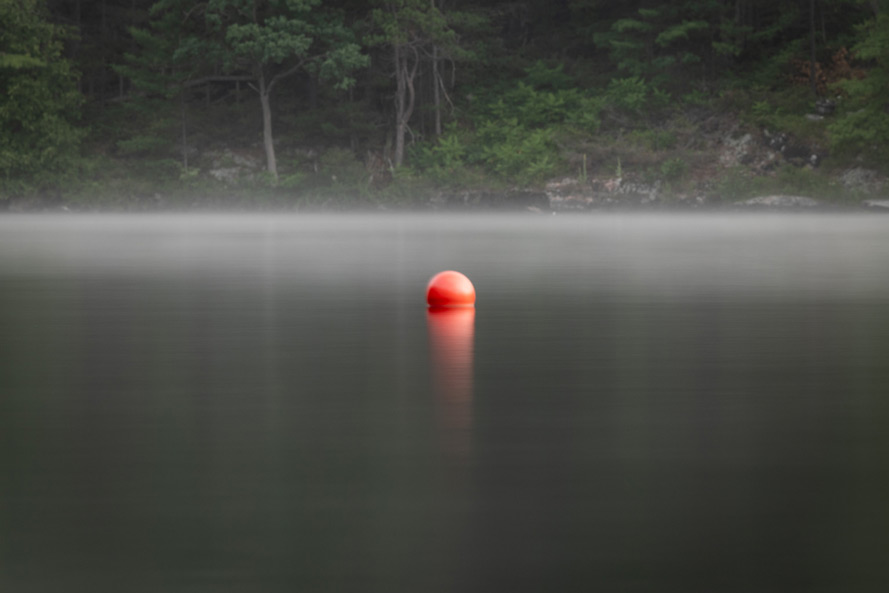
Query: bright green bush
<point x="443" y="159"/>
<point x="629" y="94"/>
<point x="513" y="133"/>
<point x="634" y="96"/>
<point x="517" y="153"/>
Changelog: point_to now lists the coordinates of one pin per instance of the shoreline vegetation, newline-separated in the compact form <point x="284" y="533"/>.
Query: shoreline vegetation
<point x="177" y="105"/>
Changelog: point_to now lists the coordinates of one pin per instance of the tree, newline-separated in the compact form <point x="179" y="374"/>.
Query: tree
<point x="415" y="31"/>
<point x="39" y="102"/>
<point x="864" y="123"/>
<point x="262" y="41"/>
<point x="159" y="71"/>
<point x="273" y="40"/>
<point x="659" y="42"/>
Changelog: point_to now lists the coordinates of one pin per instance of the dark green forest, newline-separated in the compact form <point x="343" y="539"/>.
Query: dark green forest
<point x="184" y="103"/>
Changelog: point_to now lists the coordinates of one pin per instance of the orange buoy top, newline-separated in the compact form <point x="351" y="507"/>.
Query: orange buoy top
<point x="450" y="289"/>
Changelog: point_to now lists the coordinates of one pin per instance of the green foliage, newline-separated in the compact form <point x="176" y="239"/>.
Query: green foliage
<point x="341" y="166"/>
<point x="293" y="34"/>
<point x="39" y="102"/>
<point x="515" y="131"/>
<point x="772" y="70"/>
<point x="540" y="76"/>
<point x="635" y="97"/>
<point x="655" y="44"/>
<point x="19" y="61"/>
<point x="674" y="169"/>
<point x="863" y="123"/>
<point x="761" y="109"/>
<point x="655" y="140"/>
<point x="864" y="131"/>
<point x="531" y="107"/>
<point x="586" y="115"/>
<point x="629" y="94"/>
<point x="515" y="152"/>
<point x="537" y="98"/>
<point x="443" y="159"/>
<point x="277" y="39"/>
<point x="335" y="173"/>
<point x="413" y="22"/>
<point x="141" y="145"/>
<point x="155" y="69"/>
<point x="292" y="180"/>
<point x="782" y="111"/>
<point x="263" y="41"/>
<point x="740" y="184"/>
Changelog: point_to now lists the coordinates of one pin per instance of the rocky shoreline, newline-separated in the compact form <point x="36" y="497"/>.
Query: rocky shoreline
<point x="566" y="197"/>
<point x="571" y="195"/>
<point x="541" y="202"/>
<point x="730" y="168"/>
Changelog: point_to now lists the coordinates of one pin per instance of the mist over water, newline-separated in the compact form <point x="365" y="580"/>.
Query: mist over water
<point x="262" y="403"/>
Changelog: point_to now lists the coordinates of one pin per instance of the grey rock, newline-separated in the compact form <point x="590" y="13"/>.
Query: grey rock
<point x="736" y="150"/>
<point x="860" y="179"/>
<point x="825" y="106"/>
<point x="877" y="203"/>
<point x="230" y="166"/>
<point x="226" y="174"/>
<point x="779" y="201"/>
<point x="793" y="151"/>
<point x="532" y="201"/>
<point x="644" y="193"/>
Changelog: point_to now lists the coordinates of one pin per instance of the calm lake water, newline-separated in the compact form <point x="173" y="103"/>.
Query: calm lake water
<point x="263" y="404"/>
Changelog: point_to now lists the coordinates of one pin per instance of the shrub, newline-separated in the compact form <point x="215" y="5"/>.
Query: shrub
<point x="628" y="94"/>
<point x="674" y="169"/>
<point x="655" y="140"/>
<point x="342" y="168"/>
<point x="443" y="159"/>
<point x="516" y="153"/>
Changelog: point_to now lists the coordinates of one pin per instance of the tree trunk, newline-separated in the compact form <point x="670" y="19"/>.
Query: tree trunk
<point x="312" y="88"/>
<point x="400" y="91"/>
<point x="813" y="57"/>
<point x="436" y="90"/>
<point x="103" y="72"/>
<point x="405" y="72"/>
<point x="267" y="139"/>
<point x="184" y="132"/>
<point x="77" y="39"/>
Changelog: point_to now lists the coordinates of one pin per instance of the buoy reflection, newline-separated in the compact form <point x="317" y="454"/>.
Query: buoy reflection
<point x="451" y="336"/>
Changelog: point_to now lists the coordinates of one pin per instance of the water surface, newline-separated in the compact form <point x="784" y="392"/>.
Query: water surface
<point x="253" y="403"/>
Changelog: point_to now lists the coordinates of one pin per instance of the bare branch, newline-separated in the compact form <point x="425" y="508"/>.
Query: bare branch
<point x="282" y="75"/>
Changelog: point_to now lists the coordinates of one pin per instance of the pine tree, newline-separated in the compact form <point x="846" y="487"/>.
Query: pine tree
<point x="261" y="42"/>
<point x="864" y="123"/>
<point x="273" y="40"/>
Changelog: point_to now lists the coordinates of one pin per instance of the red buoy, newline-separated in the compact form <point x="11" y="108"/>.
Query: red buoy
<point x="450" y="289"/>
